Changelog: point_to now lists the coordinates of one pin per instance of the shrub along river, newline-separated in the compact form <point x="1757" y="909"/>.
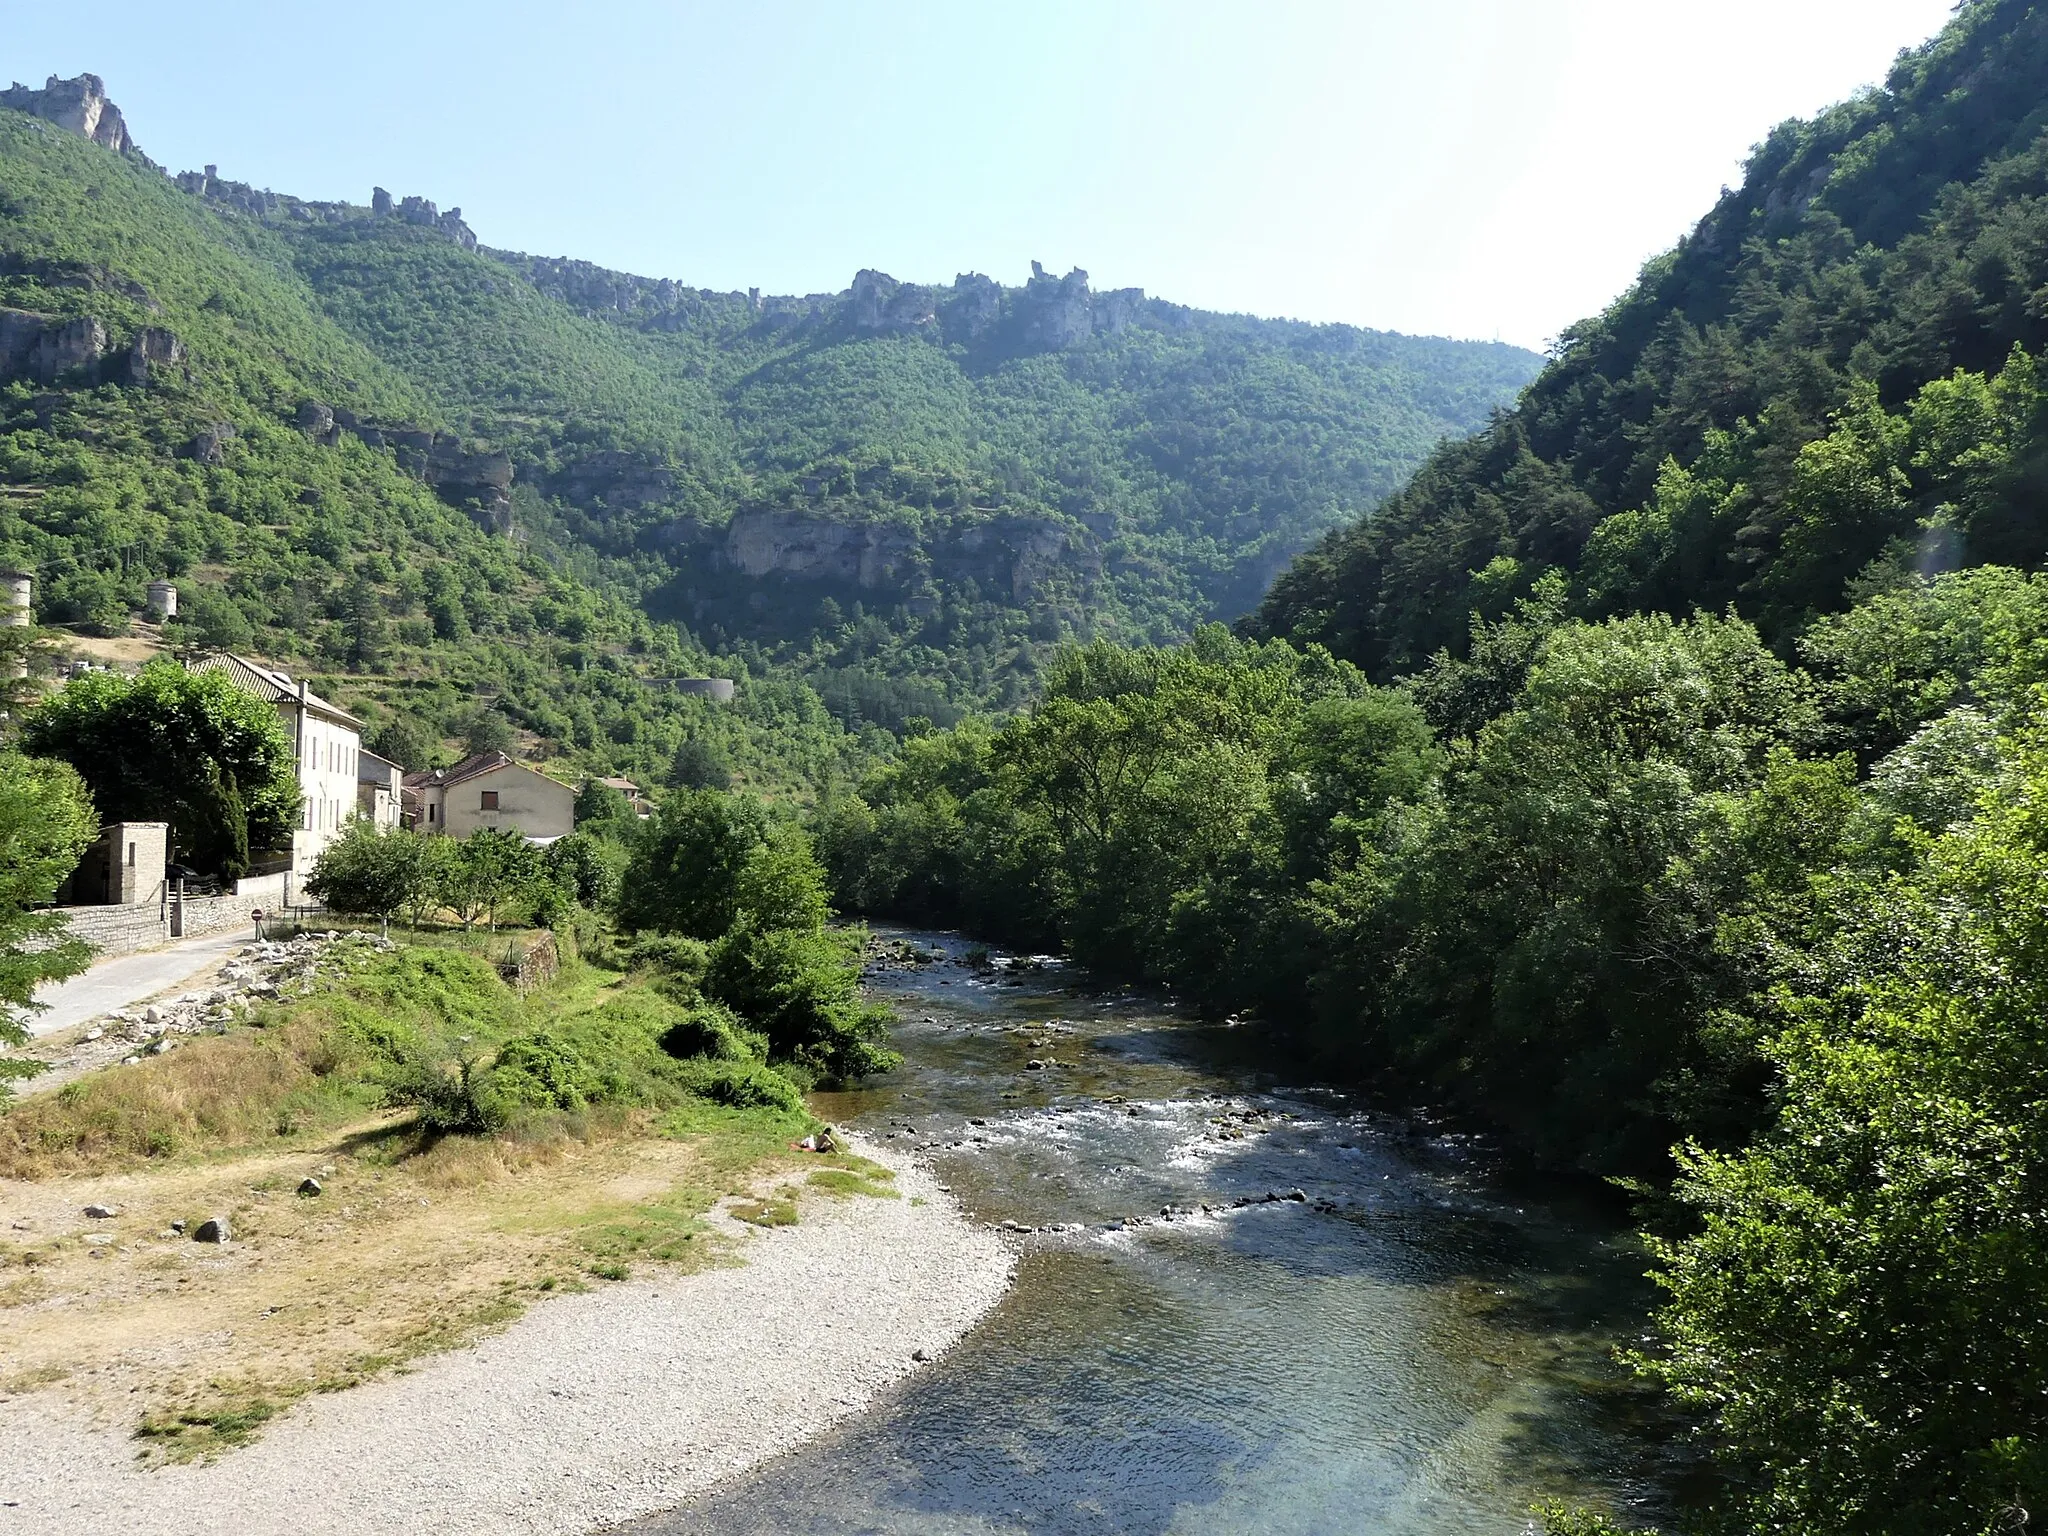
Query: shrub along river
<point x="1406" y="1345"/>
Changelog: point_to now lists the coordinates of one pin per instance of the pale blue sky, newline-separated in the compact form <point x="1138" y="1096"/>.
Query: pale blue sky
<point x="1463" y="167"/>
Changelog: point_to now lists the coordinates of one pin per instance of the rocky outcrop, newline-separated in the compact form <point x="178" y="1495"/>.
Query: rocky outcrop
<point x="882" y="306"/>
<point x="1055" y="311"/>
<point x="54" y="348"/>
<point x="78" y="106"/>
<point x="458" y="473"/>
<point x="421" y="212"/>
<point x="1050" y="314"/>
<point x="152" y="353"/>
<point x="783" y="543"/>
<point x="262" y="203"/>
<point x="620" y="480"/>
<point x="1114" y="311"/>
<point x="976" y="308"/>
<point x="1016" y="552"/>
<point x="210" y="446"/>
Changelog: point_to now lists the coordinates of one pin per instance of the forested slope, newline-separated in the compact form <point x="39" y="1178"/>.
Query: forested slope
<point x="888" y="503"/>
<point x="159" y="350"/>
<point x="1769" y="417"/>
<point x="1739" y="910"/>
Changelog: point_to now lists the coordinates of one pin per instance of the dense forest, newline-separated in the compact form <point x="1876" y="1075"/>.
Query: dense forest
<point x="1656" y="780"/>
<point x="1808" y="399"/>
<point x="474" y="492"/>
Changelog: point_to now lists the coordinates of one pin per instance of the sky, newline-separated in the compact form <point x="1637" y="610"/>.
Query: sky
<point x="1492" y="169"/>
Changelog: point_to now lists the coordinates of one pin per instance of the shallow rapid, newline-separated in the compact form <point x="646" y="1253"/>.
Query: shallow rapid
<point x="1243" y="1305"/>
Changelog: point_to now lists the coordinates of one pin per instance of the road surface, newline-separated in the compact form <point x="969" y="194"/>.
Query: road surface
<point x="127" y="979"/>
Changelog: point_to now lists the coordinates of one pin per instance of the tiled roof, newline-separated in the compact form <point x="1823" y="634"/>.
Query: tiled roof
<point x="468" y="768"/>
<point x="265" y="683"/>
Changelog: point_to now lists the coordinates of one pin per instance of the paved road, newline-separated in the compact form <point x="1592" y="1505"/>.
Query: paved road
<point x="129" y="979"/>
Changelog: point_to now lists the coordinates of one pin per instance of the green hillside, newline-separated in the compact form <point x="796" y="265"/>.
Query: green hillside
<point x="1792" y="408"/>
<point x="327" y="554"/>
<point x="894" y="501"/>
<point x="1006" y="489"/>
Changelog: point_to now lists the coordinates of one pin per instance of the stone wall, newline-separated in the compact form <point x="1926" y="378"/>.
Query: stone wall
<point x="124" y="930"/>
<point x="534" y="963"/>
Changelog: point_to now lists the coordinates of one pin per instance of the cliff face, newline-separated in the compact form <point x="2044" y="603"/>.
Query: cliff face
<point x="1048" y="314"/>
<point x="78" y="105"/>
<point x="1015" y="554"/>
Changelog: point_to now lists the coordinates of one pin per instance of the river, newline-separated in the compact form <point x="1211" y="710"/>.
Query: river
<point x="1413" y="1347"/>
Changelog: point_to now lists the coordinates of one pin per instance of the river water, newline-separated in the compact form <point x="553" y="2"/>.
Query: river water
<point x="1411" y="1348"/>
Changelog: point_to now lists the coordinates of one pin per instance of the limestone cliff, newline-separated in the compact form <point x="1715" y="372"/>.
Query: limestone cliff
<point x="1014" y="553"/>
<point x="78" y="105"/>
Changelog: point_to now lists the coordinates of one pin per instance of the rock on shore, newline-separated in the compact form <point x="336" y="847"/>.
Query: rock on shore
<point x="591" y="1410"/>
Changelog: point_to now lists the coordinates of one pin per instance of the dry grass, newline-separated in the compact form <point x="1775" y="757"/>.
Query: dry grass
<point x="197" y="1345"/>
<point x="222" y="1090"/>
<point x="415" y="1244"/>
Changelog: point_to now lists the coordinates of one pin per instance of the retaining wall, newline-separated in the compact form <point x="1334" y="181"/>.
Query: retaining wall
<point x="124" y="930"/>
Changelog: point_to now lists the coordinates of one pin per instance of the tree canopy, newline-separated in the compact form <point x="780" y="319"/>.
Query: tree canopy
<point x="170" y="745"/>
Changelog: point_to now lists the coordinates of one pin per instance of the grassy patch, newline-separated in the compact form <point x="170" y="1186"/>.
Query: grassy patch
<point x="846" y="1182"/>
<point x="603" y="1152"/>
<point x="778" y="1210"/>
<point x="197" y="1434"/>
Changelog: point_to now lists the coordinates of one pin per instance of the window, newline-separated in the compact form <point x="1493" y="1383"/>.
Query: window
<point x="490" y="800"/>
<point x="131" y="855"/>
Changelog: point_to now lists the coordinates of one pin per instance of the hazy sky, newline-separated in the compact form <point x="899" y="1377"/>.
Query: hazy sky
<point x="1464" y="167"/>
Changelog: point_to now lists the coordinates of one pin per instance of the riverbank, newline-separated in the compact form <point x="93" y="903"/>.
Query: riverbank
<point x="590" y="1410"/>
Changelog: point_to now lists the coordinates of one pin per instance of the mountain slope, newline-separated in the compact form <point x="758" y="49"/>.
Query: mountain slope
<point x="1781" y="351"/>
<point x="895" y="499"/>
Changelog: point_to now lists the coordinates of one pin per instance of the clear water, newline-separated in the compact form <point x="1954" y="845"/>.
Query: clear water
<point x="1412" y="1349"/>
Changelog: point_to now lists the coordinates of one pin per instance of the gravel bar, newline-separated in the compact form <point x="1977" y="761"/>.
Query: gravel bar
<point x="591" y="1410"/>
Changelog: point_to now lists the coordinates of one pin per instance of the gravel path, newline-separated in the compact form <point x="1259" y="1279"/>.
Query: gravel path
<point x="592" y="1409"/>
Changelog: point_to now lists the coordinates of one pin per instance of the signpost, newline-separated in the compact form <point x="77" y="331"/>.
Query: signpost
<point x="257" y="918"/>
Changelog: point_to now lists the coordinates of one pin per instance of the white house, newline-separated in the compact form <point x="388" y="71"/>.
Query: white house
<point x="327" y="738"/>
<point x="380" y="790"/>
<point x="490" y="790"/>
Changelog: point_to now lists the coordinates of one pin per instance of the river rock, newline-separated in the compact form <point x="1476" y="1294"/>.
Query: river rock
<point x="212" y="1230"/>
<point x="100" y="1213"/>
<point x="309" y="1186"/>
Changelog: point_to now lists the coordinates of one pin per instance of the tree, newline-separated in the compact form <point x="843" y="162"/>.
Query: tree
<point x="587" y="869"/>
<point x="802" y="989"/>
<point x="404" y="741"/>
<point x="46" y="821"/>
<point x="1859" y="1311"/>
<point x="489" y="731"/>
<point x="364" y="615"/>
<point x="487" y="869"/>
<point x="372" y="873"/>
<point x="604" y="811"/>
<point x="700" y="764"/>
<point x="170" y="745"/>
<point x="685" y="873"/>
<point x="782" y="884"/>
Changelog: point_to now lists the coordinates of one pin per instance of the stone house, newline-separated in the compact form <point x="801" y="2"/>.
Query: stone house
<point x="327" y="740"/>
<point x="490" y="790"/>
<point x="636" y="797"/>
<point x="380" y="790"/>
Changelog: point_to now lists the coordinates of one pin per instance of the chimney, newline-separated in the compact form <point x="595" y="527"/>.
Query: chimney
<point x="16" y="592"/>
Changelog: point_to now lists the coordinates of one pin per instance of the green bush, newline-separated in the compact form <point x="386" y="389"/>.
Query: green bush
<point x="740" y="1084"/>
<point x="802" y="990"/>
<point x="712" y="1030"/>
